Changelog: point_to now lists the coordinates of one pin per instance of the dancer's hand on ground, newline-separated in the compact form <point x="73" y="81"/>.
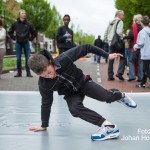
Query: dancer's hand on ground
<point x="37" y="128"/>
<point x="115" y="56"/>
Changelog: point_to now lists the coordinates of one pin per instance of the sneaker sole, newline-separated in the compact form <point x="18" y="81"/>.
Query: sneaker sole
<point x="125" y="104"/>
<point x="110" y="136"/>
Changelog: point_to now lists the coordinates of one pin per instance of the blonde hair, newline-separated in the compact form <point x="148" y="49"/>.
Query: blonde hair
<point x="137" y="18"/>
<point x="21" y="10"/>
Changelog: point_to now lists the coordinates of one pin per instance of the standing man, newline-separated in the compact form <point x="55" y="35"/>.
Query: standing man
<point x="2" y="45"/>
<point x="117" y="22"/>
<point x="64" y="36"/>
<point x="99" y="43"/>
<point x="22" y="31"/>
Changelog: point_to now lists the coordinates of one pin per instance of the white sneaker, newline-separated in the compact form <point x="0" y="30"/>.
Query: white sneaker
<point x="106" y="132"/>
<point x="127" y="101"/>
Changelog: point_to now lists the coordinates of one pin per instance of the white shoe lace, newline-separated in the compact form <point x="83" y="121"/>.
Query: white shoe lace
<point x="101" y="130"/>
<point x="128" y="100"/>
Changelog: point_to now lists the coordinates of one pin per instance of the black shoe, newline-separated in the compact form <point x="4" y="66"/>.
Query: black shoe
<point x="130" y="80"/>
<point x="18" y="75"/>
<point x="29" y="75"/>
<point x="111" y="79"/>
<point x="139" y="80"/>
<point x="140" y="86"/>
<point x="120" y="77"/>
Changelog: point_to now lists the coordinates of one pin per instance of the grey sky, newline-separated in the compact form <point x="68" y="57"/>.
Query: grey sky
<point x="92" y="16"/>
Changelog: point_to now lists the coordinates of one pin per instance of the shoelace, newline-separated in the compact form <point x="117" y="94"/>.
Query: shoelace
<point x="127" y="99"/>
<point x="101" y="130"/>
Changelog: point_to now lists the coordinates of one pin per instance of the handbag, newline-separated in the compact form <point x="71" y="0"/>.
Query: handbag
<point x="117" y="44"/>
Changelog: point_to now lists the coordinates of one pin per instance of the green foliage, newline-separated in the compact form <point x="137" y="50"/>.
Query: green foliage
<point x="6" y="12"/>
<point x="38" y="13"/>
<point x="131" y="8"/>
<point x="56" y="21"/>
<point x="83" y="38"/>
<point x="11" y="63"/>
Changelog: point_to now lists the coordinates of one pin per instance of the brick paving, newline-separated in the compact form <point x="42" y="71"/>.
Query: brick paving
<point x="123" y="86"/>
<point x="9" y="83"/>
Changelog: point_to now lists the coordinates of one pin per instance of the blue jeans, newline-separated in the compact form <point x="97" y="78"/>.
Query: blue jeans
<point x="132" y="55"/>
<point x="97" y="58"/>
<point x="19" y="48"/>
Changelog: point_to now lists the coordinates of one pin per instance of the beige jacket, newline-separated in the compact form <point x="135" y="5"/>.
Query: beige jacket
<point x="2" y="37"/>
<point x="109" y="33"/>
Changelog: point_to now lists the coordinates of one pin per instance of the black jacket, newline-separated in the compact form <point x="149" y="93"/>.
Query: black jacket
<point x="99" y="43"/>
<point x="69" y="80"/>
<point x="24" y="31"/>
<point x="62" y="41"/>
<point x="130" y="37"/>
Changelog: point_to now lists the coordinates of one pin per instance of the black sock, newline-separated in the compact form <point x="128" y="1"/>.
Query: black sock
<point x="112" y="126"/>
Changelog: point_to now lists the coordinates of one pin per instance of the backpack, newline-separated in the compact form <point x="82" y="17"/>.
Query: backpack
<point x="117" y="44"/>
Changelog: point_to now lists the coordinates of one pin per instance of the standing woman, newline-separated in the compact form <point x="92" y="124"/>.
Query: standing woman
<point x="2" y="45"/>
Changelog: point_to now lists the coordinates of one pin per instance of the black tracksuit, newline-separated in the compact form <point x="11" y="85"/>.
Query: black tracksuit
<point x="63" y="43"/>
<point x="74" y="85"/>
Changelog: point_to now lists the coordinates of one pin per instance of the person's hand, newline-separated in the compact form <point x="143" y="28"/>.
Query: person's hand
<point x="37" y="128"/>
<point x="69" y="36"/>
<point x="115" y="56"/>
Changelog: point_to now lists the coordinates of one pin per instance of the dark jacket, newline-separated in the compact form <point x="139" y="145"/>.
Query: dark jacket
<point x="130" y="37"/>
<point x="24" y="31"/>
<point x="99" y="43"/>
<point x="69" y="80"/>
<point x="62" y="41"/>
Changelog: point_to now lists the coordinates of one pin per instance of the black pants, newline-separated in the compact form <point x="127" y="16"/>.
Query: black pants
<point x="146" y="70"/>
<point x="95" y="91"/>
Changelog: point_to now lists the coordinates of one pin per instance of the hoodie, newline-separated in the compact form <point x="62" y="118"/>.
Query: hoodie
<point x="143" y="43"/>
<point x="110" y="31"/>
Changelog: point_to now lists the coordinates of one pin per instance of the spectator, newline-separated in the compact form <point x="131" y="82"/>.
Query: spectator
<point x="134" y="58"/>
<point x="64" y="36"/>
<point x="99" y="43"/>
<point x="143" y="43"/>
<point x="110" y="31"/>
<point x="22" y="31"/>
<point x="2" y="45"/>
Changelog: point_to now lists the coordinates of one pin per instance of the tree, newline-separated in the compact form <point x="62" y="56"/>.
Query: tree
<point x="131" y="8"/>
<point x="83" y="38"/>
<point x="55" y="22"/>
<point x="8" y="9"/>
<point x="39" y="14"/>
